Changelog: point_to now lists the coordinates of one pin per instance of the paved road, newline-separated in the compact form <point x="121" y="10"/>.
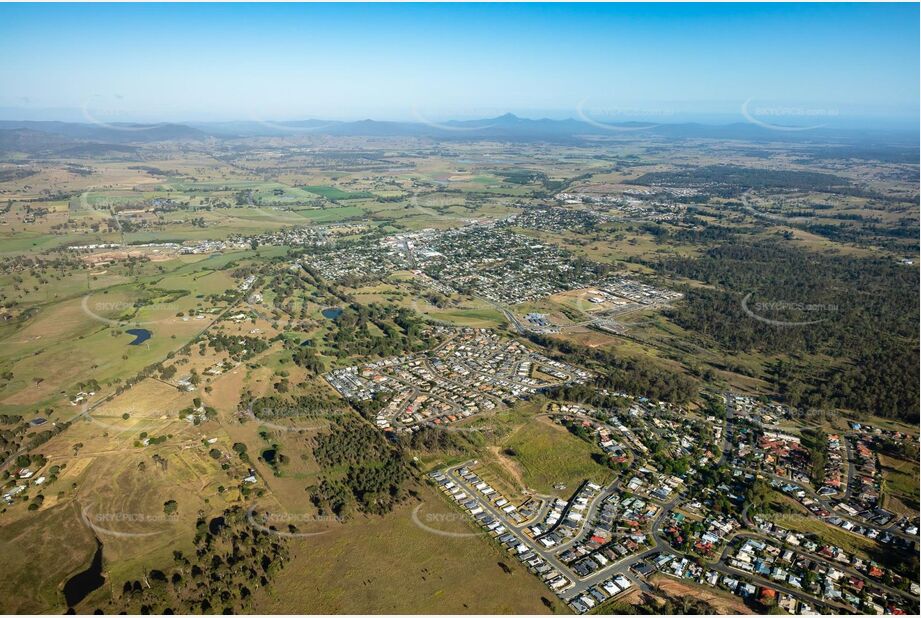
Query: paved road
<point x="661" y="545"/>
<point x="727" y="429"/>
<point x="849" y="454"/>
<point x="828" y="506"/>
<point x="580" y="585"/>
<point x="845" y="568"/>
<point x="824" y="501"/>
<point x="766" y="583"/>
<point x="516" y="324"/>
<point x="514" y="530"/>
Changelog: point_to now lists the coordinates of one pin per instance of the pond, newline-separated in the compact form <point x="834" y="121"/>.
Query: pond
<point x="140" y="335"/>
<point x="331" y="313"/>
<point x="269" y="456"/>
<point x="216" y="525"/>
<point x="80" y="585"/>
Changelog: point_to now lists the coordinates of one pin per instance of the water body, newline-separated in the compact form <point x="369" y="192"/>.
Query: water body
<point x="269" y="456"/>
<point x="216" y="525"/>
<point x="140" y="335"/>
<point x="80" y="585"/>
<point x="331" y="313"/>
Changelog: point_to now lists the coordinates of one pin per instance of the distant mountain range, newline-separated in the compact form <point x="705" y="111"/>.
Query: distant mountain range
<point x="61" y="137"/>
<point x="78" y="139"/>
<point x="510" y="127"/>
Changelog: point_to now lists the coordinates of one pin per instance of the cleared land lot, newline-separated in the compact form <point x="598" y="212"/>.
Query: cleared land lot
<point x="721" y="602"/>
<point x="900" y="484"/>
<point x="538" y="455"/>
<point x="354" y="567"/>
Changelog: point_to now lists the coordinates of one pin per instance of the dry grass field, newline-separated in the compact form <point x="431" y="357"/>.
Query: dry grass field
<point x="399" y="567"/>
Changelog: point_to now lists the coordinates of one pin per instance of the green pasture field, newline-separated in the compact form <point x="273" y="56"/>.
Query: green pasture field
<point x="327" y="215"/>
<point x="334" y="193"/>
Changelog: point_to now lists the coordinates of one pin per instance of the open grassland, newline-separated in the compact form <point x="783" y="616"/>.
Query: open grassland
<point x="472" y="312"/>
<point x="396" y="566"/>
<point x="900" y="484"/>
<point x="114" y="488"/>
<point x="334" y="193"/>
<point x="328" y="215"/>
<point x="101" y="350"/>
<point x="549" y="455"/>
<point x="535" y="455"/>
<point x="475" y="317"/>
<point x="39" y="554"/>
<point x="783" y="503"/>
<point x="79" y="334"/>
<point x="202" y="282"/>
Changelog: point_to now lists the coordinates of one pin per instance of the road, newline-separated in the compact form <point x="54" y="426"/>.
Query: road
<point x="513" y="529"/>
<point x="823" y="501"/>
<point x="828" y="506"/>
<point x="844" y="568"/>
<point x="580" y="585"/>
<point x="661" y="545"/>
<point x="88" y="408"/>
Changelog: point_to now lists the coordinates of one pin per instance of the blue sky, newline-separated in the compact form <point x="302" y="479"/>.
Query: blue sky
<point x="257" y="61"/>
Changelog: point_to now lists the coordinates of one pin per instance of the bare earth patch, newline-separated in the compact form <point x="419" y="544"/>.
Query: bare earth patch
<point x="722" y="602"/>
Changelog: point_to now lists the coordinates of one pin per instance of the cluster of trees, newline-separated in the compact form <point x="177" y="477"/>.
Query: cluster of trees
<point x="154" y="440"/>
<point x="90" y="385"/>
<point x="582" y="393"/>
<point x="146" y="372"/>
<point x="306" y="405"/>
<point x="862" y="311"/>
<point x="403" y="331"/>
<point x="758" y="497"/>
<point x="240" y="347"/>
<point x="731" y="180"/>
<point x="232" y="557"/>
<point x="20" y="438"/>
<point x="666" y="462"/>
<point x="522" y="176"/>
<point x="306" y="356"/>
<point x="376" y="473"/>
<point x="708" y="477"/>
<point x="631" y="375"/>
<point x="368" y="408"/>
<point x="432" y="440"/>
<point x="11" y="439"/>
<point x="815" y="441"/>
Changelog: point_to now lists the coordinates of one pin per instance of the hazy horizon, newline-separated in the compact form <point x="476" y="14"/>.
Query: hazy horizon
<point x="778" y="114"/>
<point x="850" y="65"/>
